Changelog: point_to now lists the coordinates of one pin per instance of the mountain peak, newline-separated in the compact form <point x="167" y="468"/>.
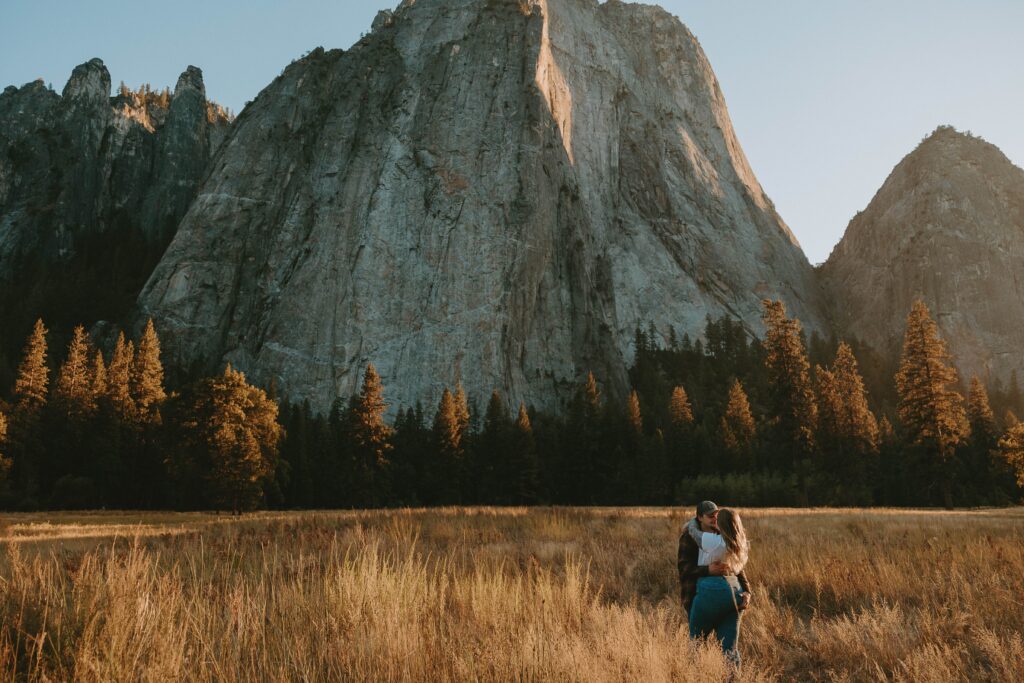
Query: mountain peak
<point x="89" y="83"/>
<point x="947" y="226"/>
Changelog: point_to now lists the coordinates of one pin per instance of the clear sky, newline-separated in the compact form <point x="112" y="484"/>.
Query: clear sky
<point x="826" y="95"/>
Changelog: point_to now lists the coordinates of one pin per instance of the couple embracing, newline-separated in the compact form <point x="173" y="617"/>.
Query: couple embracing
<point x="713" y="551"/>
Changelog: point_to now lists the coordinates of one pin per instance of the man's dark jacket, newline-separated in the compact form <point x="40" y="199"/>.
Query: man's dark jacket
<point x="689" y="571"/>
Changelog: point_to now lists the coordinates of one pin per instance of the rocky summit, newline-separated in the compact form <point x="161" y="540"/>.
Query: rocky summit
<point x="82" y="162"/>
<point x="946" y="227"/>
<point x="489" y="192"/>
<point x="92" y="188"/>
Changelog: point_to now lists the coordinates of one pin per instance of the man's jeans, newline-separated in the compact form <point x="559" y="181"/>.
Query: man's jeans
<point x="714" y="610"/>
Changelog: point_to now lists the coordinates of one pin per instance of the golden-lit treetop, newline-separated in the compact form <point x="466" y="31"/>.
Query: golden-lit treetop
<point x="680" y="413"/>
<point x="30" y="387"/>
<point x="738" y="427"/>
<point x="930" y="409"/>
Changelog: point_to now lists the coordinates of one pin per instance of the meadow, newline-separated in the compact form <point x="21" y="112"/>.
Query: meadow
<point x="541" y="594"/>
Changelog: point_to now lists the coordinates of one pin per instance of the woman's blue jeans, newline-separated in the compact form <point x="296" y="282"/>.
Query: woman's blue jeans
<point x="714" y="611"/>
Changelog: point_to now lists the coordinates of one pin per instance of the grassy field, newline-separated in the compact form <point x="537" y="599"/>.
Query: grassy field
<point x="502" y="594"/>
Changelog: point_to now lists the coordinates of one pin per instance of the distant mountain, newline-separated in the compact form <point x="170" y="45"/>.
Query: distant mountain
<point x="496" y="193"/>
<point x="947" y="226"/>
<point x="92" y="188"/>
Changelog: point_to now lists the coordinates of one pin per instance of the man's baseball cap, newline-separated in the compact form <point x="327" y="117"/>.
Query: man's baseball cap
<point x="706" y="507"/>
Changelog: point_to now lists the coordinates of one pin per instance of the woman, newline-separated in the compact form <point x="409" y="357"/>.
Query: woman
<point x="716" y="607"/>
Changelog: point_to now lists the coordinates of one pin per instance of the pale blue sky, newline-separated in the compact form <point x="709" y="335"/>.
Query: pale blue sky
<point x="826" y="95"/>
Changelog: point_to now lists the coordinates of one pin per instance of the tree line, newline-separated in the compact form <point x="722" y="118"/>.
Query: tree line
<point x="777" y="421"/>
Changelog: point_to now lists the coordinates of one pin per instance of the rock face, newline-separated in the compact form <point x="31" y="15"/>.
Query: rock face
<point x="482" y="191"/>
<point x="947" y="227"/>
<point x="82" y="163"/>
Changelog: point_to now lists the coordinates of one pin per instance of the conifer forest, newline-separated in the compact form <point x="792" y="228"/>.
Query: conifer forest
<point x="783" y="421"/>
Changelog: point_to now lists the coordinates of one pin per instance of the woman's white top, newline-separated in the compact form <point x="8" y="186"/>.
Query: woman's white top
<point x="712" y="548"/>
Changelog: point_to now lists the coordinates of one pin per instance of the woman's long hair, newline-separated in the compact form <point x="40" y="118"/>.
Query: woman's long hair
<point x="731" y="528"/>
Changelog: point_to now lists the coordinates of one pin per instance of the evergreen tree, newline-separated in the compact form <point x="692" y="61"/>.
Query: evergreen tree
<point x="680" y="412"/>
<point x="633" y="418"/>
<point x="468" y="420"/>
<point x="98" y="378"/>
<point x="930" y="410"/>
<point x="985" y="469"/>
<point x="30" y="397"/>
<point x="980" y="416"/>
<point x="585" y="471"/>
<point x="679" y="446"/>
<point x="847" y="432"/>
<point x="449" y="450"/>
<point x="1012" y="448"/>
<point x="232" y="435"/>
<point x="1010" y="419"/>
<point x="73" y="391"/>
<point x="412" y="443"/>
<point x="369" y="438"/>
<point x="298" y="487"/>
<point x="462" y="412"/>
<point x="494" y="453"/>
<point x="5" y="462"/>
<point x="792" y="405"/>
<point x="525" y="465"/>
<point x="857" y="424"/>
<point x="147" y="377"/>
<point x="119" y="381"/>
<point x="738" y="428"/>
<point x="889" y="487"/>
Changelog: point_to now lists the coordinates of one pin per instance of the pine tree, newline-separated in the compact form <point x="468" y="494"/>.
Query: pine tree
<point x="5" y="462"/>
<point x="370" y="441"/>
<point x="680" y="414"/>
<point x="858" y="425"/>
<point x="526" y="466"/>
<point x="980" y="416"/>
<point x="1012" y="448"/>
<point x="793" y="408"/>
<point x="449" y="450"/>
<point x="73" y="393"/>
<point x="679" y="442"/>
<point x="847" y="430"/>
<point x="493" y="458"/>
<point x="931" y="411"/>
<point x="635" y="474"/>
<point x="98" y="377"/>
<point x="462" y="412"/>
<point x="738" y="428"/>
<point x="119" y="381"/>
<point x="147" y="377"/>
<point x="30" y="397"/>
<point x="1010" y="419"/>
<point x="985" y="467"/>
<point x="633" y="418"/>
<point x="233" y="437"/>
<point x="30" y="387"/>
<point x="585" y="473"/>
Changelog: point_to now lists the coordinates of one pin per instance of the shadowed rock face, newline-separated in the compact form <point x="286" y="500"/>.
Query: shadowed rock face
<point x="81" y="163"/>
<point x="947" y="227"/>
<point x="486" y="191"/>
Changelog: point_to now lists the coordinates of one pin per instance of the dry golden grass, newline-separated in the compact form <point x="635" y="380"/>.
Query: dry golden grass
<point x="502" y="594"/>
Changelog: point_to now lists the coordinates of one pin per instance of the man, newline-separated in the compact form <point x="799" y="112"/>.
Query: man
<point x="690" y="570"/>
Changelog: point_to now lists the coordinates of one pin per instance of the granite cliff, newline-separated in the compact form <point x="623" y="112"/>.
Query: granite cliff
<point x="947" y="226"/>
<point x="92" y="188"/>
<point x="483" y="191"/>
<point x="84" y="162"/>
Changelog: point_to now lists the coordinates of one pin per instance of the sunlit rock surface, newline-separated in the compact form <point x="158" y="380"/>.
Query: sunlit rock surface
<point x="947" y="227"/>
<point x="489" y="192"/>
